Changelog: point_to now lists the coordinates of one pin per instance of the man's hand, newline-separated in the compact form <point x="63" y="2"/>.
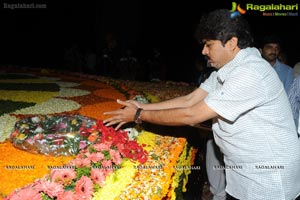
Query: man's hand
<point x="121" y="116"/>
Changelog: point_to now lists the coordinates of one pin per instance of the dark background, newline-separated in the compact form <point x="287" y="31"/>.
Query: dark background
<point x="38" y="37"/>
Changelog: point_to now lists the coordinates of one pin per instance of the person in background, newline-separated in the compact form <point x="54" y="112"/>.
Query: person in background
<point x="90" y="61"/>
<point x="282" y="57"/>
<point x="294" y="97"/>
<point x="214" y="157"/>
<point x="128" y="65"/>
<point x="215" y="169"/>
<point x="270" y="50"/>
<point x="252" y="120"/>
<point x="296" y="69"/>
<point x="109" y="57"/>
<point x="203" y="70"/>
<point x="73" y="58"/>
<point x="155" y="66"/>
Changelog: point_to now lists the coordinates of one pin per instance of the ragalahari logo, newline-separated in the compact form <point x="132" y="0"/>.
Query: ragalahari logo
<point x="236" y="10"/>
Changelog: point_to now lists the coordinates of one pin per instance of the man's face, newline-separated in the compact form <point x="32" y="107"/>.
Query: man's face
<point x="270" y="51"/>
<point x="217" y="53"/>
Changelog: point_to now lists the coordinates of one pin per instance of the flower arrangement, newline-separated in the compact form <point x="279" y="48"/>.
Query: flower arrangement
<point x="55" y="135"/>
<point x="140" y="98"/>
<point x="108" y="165"/>
<point x="86" y="174"/>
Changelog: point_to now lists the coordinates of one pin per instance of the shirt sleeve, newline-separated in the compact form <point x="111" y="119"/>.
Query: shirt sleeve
<point x="289" y="78"/>
<point x="208" y="84"/>
<point x="242" y="91"/>
<point x="294" y="97"/>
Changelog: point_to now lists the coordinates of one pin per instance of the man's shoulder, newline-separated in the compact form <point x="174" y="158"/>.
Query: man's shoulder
<point x="284" y="67"/>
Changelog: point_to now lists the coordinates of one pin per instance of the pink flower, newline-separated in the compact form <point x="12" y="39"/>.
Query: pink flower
<point x="82" y="144"/>
<point x="107" y="166"/>
<point x="84" y="188"/>
<point x="52" y="189"/>
<point x="102" y="146"/>
<point x="29" y="140"/>
<point x="115" y="156"/>
<point x="62" y="125"/>
<point x="98" y="176"/>
<point x="95" y="157"/>
<point x="63" y="176"/>
<point x="86" y="162"/>
<point x="26" y="194"/>
<point x="58" y="141"/>
<point x="38" y="136"/>
<point x="51" y="136"/>
<point x="14" y="134"/>
<point x="67" y="195"/>
<point x="79" y="162"/>
<point x="107" y="163"/>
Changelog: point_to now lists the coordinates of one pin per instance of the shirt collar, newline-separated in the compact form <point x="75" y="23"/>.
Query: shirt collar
<point x="226" y="70"/>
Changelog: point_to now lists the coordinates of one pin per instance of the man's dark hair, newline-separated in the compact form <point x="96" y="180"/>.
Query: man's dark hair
<point x="221" y="25"/>
<point x="271" y="39"/>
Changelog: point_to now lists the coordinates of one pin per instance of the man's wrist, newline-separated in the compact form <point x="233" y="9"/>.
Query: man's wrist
<point x="137" y="117"/>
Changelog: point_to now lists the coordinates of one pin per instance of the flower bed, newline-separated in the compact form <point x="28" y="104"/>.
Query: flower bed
<point x="86" y="174"/>
<point x="101" y="169"/>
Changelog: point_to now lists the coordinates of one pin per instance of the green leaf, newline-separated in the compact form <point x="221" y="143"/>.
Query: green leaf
<point x="106" y="154"/>
<point x="45" y="196"/>
<point x="83" y="171"/>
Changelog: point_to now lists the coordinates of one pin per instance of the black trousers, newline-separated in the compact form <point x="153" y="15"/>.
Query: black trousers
<point x="230" y="197"/>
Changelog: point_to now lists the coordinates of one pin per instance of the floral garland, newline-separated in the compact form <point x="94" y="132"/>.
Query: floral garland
<point x="53" y="105"/>
<point x="71" y="92"/>
<point x="154" y="178"/>
<point x="27" y="96"/>
<point x="86" y="174"/>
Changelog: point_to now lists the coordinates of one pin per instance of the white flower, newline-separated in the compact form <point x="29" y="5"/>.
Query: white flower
<point x="35" y="119"/>
<point x="140" y="99"/>
<point x="132" y="133"/>
<point x="38" y="130"/>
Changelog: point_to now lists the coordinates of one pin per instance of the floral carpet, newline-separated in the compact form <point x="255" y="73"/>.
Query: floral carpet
<point x="129" y="164"/>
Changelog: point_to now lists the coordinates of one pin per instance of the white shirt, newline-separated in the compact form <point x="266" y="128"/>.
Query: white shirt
<point x="257" y="133"/>
<point x="299" y="123"/>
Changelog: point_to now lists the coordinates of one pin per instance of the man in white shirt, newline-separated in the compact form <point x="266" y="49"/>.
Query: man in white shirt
<point x="252" y="118"/>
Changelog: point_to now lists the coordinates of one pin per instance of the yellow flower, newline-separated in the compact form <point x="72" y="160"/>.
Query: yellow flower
<point x="21" y="136"/>
<point x="116" y="183"/>
<point x="74" y="122"/>
<point x="24" y="126"/>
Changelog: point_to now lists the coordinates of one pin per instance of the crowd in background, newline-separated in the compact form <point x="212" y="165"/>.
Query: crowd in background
<point x="116" y="62"/>
<point x="124" y="63"/>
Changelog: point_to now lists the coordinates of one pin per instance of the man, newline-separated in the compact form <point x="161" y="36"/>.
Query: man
<point x="214" y="158"/>
<point x="296" y="69"/>
<point x="270" y="50"/>
<point x="252" y="118"/>
<point x="294" y="97"/>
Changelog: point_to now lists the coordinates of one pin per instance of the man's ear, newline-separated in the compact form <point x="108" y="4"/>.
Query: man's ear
<point x="232" y="43"/>
<point x="260" y="50"/>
